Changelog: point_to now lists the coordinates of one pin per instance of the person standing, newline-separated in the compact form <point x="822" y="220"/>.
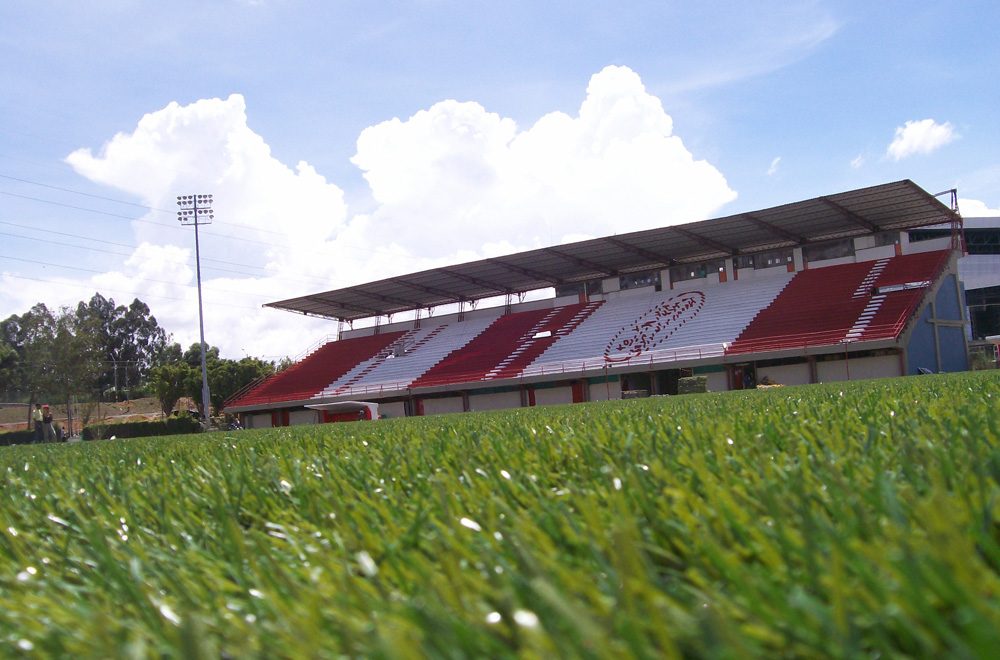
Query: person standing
<point x="48" y="430"/>
<point x="37" y="417"/>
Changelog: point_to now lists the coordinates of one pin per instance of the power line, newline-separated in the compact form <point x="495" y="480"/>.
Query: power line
<point x="80" y="192"/>
<point x="157" y="224"/>
<point x="134" y="247"/>
<point x="145" y="279"/>
<point x="121" y="201"/>
<point x="151" y="296"/>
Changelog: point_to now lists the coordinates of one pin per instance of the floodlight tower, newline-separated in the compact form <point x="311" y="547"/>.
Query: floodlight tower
<point x="195" y="210"/>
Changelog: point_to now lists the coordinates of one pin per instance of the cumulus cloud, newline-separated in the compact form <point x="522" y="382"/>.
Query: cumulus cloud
<point x="974" y="208"/>
<point x="920" y="137"/>
<point x="450" y="183"/>
<point x="456" y="172"/>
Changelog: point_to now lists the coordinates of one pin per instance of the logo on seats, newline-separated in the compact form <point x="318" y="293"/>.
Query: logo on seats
<point x="654" y="327"/>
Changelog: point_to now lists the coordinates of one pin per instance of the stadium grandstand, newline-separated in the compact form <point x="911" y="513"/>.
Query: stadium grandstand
<point x="843" y="286"/>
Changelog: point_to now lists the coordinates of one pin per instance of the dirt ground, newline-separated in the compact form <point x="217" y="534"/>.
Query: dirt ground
<point x="15" y="417"/>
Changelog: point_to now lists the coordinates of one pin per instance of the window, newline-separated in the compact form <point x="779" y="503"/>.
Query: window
<point x="761" y="260"/>
<point x="696" y="271"/>
<point x="593" y="287"/>
<point x="829" y="250"/>
<point x="639" y="280"/>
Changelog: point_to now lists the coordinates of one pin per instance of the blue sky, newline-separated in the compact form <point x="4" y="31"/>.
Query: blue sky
<point x="708" y="109"/>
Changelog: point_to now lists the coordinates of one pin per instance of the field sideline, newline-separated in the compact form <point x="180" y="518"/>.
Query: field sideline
<point x="831" y="520"/>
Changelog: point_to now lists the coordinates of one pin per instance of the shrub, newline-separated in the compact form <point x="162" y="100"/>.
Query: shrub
<point x="16" y="437"/>
<point x="170" y="426"/>
<point x="692" y="385"/>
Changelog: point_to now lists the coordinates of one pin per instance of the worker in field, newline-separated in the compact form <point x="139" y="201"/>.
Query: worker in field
<point x="47" y="429"/>
<point x="38" y="416"/>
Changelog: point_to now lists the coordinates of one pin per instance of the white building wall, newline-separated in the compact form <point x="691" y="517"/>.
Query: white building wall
<point x="300" y="417"/>
<point x="832" y="262"/>
<point x="697" y="283"/>
<point x="551" y="396"/>
<point x="787" y="374"/>
<point x="494" y="401"/>
<point x="932" y="245"/>
<point x="871" y="254"/>
<point x="258" y="421"/>
<point x="392" y="409"/>
<point x="599" y="391"/>
<point x="885" y="366"/>
<point x="797" y="258"/>
<point x="717" y="381"/>
<point x="451" y="404"/>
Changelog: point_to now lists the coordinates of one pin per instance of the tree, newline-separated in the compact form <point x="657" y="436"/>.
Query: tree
<point x="8" y="365"/>
<point x="193" y="355"/>
<point x="28" y="335"/>
<point x="227" y="377"/>
<point x="171" y="381"/>
<point x="169" y="353"/>
<point x="75" y="358"/>
<point x="130" y="340"/>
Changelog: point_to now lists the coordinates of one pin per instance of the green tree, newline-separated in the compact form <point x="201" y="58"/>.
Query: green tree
<point x="193" y="355"/>
<point x="227" y="377"/>
<point x="76" y="361"/>
<point x="169" y="353"/>
<point x="171" y="381"/>
<point x="26" y="335"/>
<point x="130" y="339"/>
<point x="8" y="365"/>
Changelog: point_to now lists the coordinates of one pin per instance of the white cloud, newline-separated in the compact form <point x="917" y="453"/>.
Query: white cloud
<point x="452" y="182"/>
<point x="458" y="173"/>
<point x="920" y="137"/>
<point x="858" y="161"/>
<point x="773" y="169"/>
<point x="974" y="208"/>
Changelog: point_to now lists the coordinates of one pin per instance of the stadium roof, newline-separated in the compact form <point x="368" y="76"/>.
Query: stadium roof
<point x="888" y="207"/>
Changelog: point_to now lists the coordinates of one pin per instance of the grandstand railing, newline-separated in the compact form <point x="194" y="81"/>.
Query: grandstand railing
<point x="804" y="340"/>
<point x="595" y="364"/>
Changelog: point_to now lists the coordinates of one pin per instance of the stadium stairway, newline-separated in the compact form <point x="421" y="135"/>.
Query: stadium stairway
<point x="835" y="304"/>
<point x="475" y="359"/>
<point x="308" y="376"/>
<point x="902" y="286"/>
<point x="559" y="322"/>
<point x="661" y="326"/>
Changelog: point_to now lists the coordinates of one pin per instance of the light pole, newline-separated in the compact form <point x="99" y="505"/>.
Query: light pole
<point x="195" y="210"/>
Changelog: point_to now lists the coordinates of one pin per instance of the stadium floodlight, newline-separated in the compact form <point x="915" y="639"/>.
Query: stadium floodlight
<point x="195" y="210"/>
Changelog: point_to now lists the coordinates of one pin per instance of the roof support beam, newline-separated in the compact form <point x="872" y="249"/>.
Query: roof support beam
<point x="722" y="247"/>
<point x="450" y="295"/>
<point x="774" y="229"/>
<point x="472" y="280"/>
<point x="850" y="215"/>
<point x="581" y="262"/>
<point x="642" y="252"/>
<point x="384" y="298"/>
<point x="527" y="272"/>
<point x="353" y="308"/>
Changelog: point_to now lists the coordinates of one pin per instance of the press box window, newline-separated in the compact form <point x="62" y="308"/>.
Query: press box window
<point x="696" y="271"/>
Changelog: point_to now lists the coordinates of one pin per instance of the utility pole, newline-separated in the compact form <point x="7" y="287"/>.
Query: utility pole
<point x="197" y="209"/>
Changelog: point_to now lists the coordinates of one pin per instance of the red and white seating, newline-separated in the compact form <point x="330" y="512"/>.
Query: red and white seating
<point x="661" y="326"/>
<point x="840" y="304"/>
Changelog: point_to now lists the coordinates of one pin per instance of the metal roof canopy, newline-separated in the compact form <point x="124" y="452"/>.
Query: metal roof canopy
<point x="888" y="207"/>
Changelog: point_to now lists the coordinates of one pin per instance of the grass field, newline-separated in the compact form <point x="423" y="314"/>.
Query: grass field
<point x="841" y="520"/>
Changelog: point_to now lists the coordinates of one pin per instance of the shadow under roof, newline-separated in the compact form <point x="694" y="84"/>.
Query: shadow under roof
<point x="888" y="207"/>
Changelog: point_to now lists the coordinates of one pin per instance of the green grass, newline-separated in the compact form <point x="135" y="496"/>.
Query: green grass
<point x="838" y="520"/>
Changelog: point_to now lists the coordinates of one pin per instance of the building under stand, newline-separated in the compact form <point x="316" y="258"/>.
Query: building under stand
<point x="825" y="289"/>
